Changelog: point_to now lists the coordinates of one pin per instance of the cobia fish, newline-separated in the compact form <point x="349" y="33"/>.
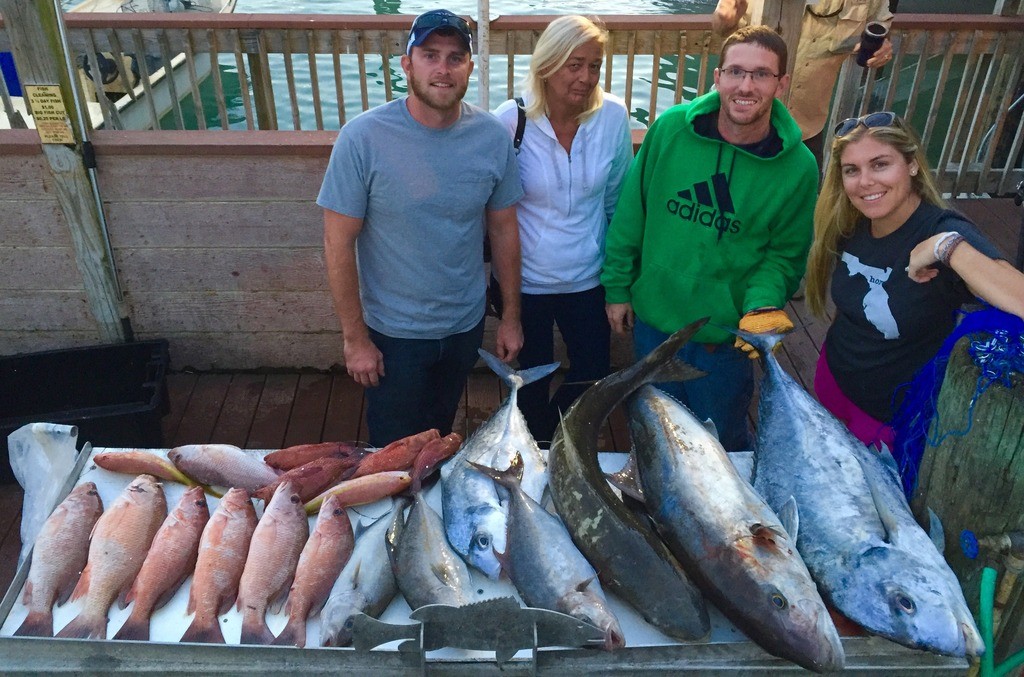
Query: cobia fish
<point x="120" y="540"/>
<point x="726" y="536"/>
<point x="170" y="560"/>
<point x="474" y="507"/>
<point x="58" y="557"/>
<point x="632" y="561"/>
<point x="270" y="565"/>
<point x="366" y="585"/>
<point x="544" y="565"/>
<point x="223" y="465"/>
<point x="427" y="569"/>
<point x="322" y="559"/>
<point x="851" y="521"/>
<point x="222" y="551"/>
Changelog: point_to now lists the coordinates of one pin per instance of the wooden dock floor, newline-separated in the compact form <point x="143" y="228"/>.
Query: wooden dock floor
<point x="273" y="410"/>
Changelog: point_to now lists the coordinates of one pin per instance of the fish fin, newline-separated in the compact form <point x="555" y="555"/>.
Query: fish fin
<point x="764" y="535"/>
<point x="205" y="631"/>
<point x="293" y="634"/>
<point x="893" y="468"/>
<point x="36" y="624"/>
<point x="82" y="587"/>
<point x="278" y="599"/>
<point x="583" y="585"/>
<point x="936" y="532"/>
<point x="167" y="594"/>
<point x="625" y="480"/>
<point x="889" y="522"/>
<point x="64" y="591"/>
<point x="135" y="628"/>
<point x="512" y="476"/>
<point x="128" y="597"/>
<point x="85" y="627"/>
<point x="227" y="602"/>
<point x="255" y="630"/>
<point x="710" y="426"/>
<point x="516" y="379"/>
<point x="122" y="597"/>
<point x="789" y="515"/>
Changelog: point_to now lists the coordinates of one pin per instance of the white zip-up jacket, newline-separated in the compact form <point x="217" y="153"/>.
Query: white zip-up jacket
<point x="570" y="197"/>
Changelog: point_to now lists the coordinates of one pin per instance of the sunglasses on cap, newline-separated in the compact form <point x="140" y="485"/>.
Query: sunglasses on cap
<point x="871" y="121"/>
<point x="428" y="22"/>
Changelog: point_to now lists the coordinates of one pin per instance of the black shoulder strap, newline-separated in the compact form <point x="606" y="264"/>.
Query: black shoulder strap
<point x="521" y="126"/>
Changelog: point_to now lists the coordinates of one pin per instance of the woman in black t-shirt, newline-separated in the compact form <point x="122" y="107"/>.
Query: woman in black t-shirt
<point x="898" y="264"/>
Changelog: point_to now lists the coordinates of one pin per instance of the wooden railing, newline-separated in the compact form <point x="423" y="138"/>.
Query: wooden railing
<point x="957" y="78"/>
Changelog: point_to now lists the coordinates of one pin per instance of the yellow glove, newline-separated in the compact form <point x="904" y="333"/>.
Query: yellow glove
<point x="762" y="321"/>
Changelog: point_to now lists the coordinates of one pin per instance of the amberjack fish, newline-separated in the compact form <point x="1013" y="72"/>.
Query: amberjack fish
<point x="843" y="504"/>
<point x="365" y="586"/>
<point x="120" y="540"/>
<point x="726" y="536"/>
<point x="474" y="507"/>
<point x="223" y="548"/>
<point x="630" y="558"/>
<point x="544" y="564"/>
<point x="427" y="569"/>
<point x="58" y="557"/>
<point x="170" y="560"/>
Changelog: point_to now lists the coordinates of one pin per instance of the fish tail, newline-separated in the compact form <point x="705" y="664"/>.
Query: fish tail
<point x="293" y="634"/>
<point x="255" y="630"/>
<point x="85" y="626"/>
<point x="510" y="477"/>
<point x="663" y="366"/>
<point x="36" y="624"/>
<point x="516" y="379"/>
<point x="135" y="628"/>
<point x="205" y="630"/>
<point x="764" y="342"/>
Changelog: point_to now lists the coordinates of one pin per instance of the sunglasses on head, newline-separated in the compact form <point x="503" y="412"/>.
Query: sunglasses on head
<point x="432" y="20"/>
<point x="871" y="121"/>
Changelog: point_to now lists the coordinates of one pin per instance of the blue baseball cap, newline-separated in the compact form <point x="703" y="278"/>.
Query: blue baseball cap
<point x="435" y="19"/>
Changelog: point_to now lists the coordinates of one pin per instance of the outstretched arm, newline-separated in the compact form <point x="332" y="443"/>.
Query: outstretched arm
<point x="994" y="280"/>
<point x="727" y="15"/>
<point x="364" y="362"/>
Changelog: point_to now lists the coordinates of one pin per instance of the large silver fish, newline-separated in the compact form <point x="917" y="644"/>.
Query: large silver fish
<point x="632" y="561"/>
<point x="544" y="565"/>
<point x="852" y="523"/>
<point x="426" y="568"/>
<point x="474" y="506"/>
<point x="726" y="536"/>
<point x="366" y="585"/>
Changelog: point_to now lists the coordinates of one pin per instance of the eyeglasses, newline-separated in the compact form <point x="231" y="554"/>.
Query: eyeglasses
<point x="759" y="76"/>
<point x="871" y="121"/>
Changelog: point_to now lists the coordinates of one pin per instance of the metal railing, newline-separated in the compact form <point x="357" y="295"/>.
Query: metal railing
<point x="956" y="78"/>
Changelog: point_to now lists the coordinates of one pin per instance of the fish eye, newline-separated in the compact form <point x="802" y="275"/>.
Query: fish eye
<point x="481" y="541"/>
<point x="349" y="623"/>
<point x="338" y="511"/>
<point x="906" y="604"/>
<point x="779" y="600"/>
<point x="294" y="498"/>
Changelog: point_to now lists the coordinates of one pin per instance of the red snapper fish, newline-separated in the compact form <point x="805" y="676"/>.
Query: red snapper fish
<point x="223" y="465"/>
<point x="58" y="557"/>
<point x="223" y="548"/>
<point x="270" y="565"/>
<point x="120" y="541"/>
<point x="324" y="556"/>
<point x="171" y="560"/>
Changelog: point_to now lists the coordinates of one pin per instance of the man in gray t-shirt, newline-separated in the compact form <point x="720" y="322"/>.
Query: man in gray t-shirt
<point x="410" y="189"/>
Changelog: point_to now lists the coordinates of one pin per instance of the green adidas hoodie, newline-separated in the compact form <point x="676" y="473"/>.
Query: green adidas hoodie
<point x="703" y="228"/>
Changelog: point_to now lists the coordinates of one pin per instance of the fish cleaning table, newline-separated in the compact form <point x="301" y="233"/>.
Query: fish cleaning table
<point x="647" y="650"/>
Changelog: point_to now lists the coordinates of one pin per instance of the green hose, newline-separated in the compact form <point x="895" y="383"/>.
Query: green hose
<point x="988" y="667"/>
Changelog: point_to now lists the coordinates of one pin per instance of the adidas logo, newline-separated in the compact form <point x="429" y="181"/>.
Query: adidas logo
<point x="709" y="204"/>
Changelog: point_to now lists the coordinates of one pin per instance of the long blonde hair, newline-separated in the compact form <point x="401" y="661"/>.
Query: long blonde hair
<point x="835" y="217"/>
<point x="553" y="49"/>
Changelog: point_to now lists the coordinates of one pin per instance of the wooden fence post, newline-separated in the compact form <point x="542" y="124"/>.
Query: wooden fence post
<point x="35" y="28"/>
<point x="975" y="481"/>
<point x="786" y="17"/>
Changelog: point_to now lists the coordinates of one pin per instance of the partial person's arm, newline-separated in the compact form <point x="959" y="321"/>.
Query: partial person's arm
<point x="364" y="362"/>
<point x="727" y="15"/>
<point x="995" y="281"/>
<point x="506" y="262"/>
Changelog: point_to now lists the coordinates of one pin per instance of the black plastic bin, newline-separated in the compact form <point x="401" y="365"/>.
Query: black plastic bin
<point x="115" y="394"/>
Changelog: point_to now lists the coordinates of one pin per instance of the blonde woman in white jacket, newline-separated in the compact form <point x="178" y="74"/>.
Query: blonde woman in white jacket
<point x="574" y="153"/>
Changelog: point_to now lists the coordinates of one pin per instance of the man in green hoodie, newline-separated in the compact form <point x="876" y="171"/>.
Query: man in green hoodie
<point x="715" y="219"/>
